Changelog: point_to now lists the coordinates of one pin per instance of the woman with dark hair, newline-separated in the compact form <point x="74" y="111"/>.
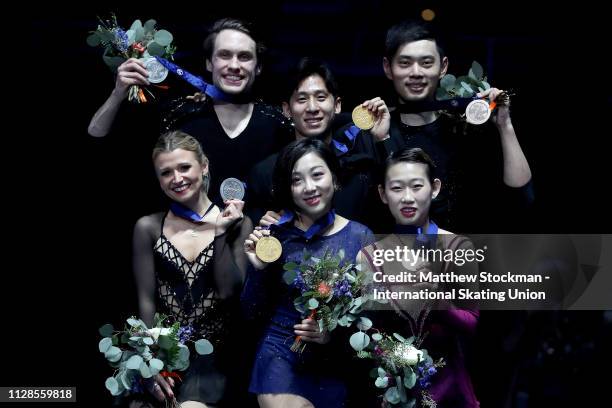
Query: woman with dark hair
<point x="304" y="185"/>
<point x="408" y="187"/>
<point x="189" y="265"/>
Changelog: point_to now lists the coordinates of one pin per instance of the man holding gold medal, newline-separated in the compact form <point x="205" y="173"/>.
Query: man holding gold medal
<point x="312" y="103"/>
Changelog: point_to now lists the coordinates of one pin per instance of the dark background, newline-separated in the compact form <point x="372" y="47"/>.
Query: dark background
<point x="75" y="198"/>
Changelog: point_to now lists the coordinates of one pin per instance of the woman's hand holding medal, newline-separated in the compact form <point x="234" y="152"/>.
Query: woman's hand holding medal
<point x="232" y="214"/>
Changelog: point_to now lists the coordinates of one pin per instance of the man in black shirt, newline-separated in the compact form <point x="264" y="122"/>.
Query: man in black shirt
<point x="312" y="104"/>
<point x="478" y="165"/>
<point x="236" y="132"/>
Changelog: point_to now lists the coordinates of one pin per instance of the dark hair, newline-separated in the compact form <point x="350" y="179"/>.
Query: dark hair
<point x="409" y="31"/>
<point x="231" y="24"/>
<point x="283" y="169"/>
<point x="413" y="155"/>
<point x="306" y="67"/>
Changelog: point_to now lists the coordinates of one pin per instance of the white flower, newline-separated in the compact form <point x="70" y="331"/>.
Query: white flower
<point x="158" y="331"/>
<point x="408" y="354"/>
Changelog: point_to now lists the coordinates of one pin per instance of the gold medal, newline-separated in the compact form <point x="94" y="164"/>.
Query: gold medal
<point x="362" y="118"/>
<point x="268" y="249"/>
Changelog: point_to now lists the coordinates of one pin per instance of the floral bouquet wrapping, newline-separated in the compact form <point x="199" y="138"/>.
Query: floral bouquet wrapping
<point x="403" y="371"/>
<point x="330" y="293"/>
<point x="140" y="41"/>
<point x="138" y="352"/>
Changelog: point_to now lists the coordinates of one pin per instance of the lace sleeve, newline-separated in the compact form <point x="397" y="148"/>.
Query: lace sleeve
<point x="143" y="265"/>
<point x="230" y="261"/>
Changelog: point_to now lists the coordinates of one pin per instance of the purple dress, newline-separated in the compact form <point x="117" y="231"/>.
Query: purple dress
<point x="316" y="374"/>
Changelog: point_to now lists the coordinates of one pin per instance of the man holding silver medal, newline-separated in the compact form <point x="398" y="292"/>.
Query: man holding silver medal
<point x="466" y="155"/>
<point x="235" y="131"/>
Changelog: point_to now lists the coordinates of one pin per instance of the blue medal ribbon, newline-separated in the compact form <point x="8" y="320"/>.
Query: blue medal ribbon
<point x="319" y="225"/>
<point x="187" y="213"/>
<point x="199" y="83"/>
<point x="426" y="240"/>
<point x="351" y="133"/>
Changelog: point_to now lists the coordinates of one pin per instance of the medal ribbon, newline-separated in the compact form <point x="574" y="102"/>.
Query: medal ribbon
<point x="427" y="240"/>
<point x="199" y="83"/>
<point x="319" y="225"/>
<point x="187" y="213"/>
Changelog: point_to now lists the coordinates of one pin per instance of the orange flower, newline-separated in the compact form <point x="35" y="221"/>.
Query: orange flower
<point x="324" y="289"/>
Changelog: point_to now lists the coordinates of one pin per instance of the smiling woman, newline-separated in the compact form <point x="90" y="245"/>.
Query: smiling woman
<point x="189" y="264"/>
<point x="304" y="185"/>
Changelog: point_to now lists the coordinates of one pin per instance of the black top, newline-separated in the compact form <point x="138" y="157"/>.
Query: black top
<point x="266" y="132"/>
<point x="469" y="162"/>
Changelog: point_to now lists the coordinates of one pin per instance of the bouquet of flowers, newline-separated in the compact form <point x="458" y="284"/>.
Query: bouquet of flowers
<point x="403" y="371"/>
<point x="138" y="352"/>
<point x="329" y="292"/>
<point x="140" y="41"/>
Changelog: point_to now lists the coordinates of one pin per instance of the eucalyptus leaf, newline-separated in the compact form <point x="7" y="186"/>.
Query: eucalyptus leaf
<point x="125" y="378"/>
<point x="364" y="324"/>
<point x="93" y="40"/>
<point x="183" y="352"/>
<point x="477" y="70"/>
<point x="313" y="303"/>
<point x="156" y="365"/>
<point x="401" y="390"/>
<point x="381" y="372"/>
<point x="400" y="338"/>
<point x="148" y="341"/>
<point x="106" y="36"/>
<point x="134" y="362"/>
<point x="149" y="26"/>
<point x="136" y="24"/>
<point x="112" y="385"/>
<point x="359" y="341"/>
<point x="156" y="49"/>
<point x="138" y="34"/>
<point x="163" y="37"/>
<point x="377" y="337"/>
<point x="113" y="354"/>
<point x="392" y="395"/>
<point x="136" y="323"/>
<point x="105" y="344"/>
<point x="382" y="382"/>
<point x="130" y="36"/>
<point x="145" y="371"/>
<point x="289" y="276"/>
<point x="467" y="87"/>
<point x="410" y="377"/>
<point x="448" y="81"/>
<point x="203" y="347"/>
